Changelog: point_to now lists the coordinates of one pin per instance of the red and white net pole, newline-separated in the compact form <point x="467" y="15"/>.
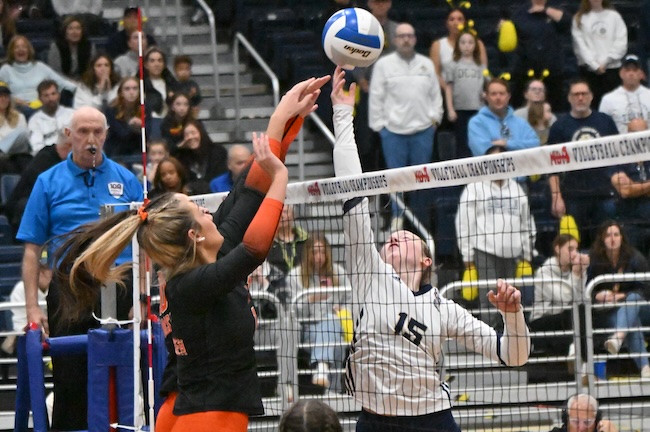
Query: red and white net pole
<point x="147" y="261"/>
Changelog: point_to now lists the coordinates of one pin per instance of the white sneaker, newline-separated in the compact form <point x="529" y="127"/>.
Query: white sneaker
<point x="613" y="345"/>
<point x="645" y="372"/>
<point x="396" y="223"/>
<point x="321" y="376"/>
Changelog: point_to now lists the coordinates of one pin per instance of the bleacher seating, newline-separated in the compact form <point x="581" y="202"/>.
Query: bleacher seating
<point x="6" y="232"/>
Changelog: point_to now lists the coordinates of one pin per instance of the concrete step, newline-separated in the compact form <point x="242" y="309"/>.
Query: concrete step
<point x="201" y="49"/>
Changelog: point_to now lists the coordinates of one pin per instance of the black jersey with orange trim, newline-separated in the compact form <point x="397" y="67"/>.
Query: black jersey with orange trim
<point x="213" y="331"/>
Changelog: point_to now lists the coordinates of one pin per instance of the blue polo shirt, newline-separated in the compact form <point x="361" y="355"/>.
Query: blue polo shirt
<point x="66" y="196"/>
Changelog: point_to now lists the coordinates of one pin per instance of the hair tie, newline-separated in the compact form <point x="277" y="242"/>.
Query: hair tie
<point x="142" y="211"/>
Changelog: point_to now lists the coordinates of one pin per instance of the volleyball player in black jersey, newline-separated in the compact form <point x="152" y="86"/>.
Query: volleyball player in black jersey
<point x="210" y="310"/>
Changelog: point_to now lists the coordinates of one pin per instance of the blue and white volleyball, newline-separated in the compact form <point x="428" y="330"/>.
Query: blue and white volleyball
<point x="352" y="38"/>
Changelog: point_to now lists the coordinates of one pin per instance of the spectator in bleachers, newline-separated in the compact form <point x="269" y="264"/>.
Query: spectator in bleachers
<point x="67" y="7"/>
<point x="203" y="159"/>
<point x="173" y="124"/>
<point x="289" y="243"/>
<point x="495" y="231"/>
<point x="18" y="315"/>
<point x="23" y="74"/>
<point x="75" y="189"/>
<point x="71" y="51"/>
<point x="600" y="42"/>
<point x="45" y="159"/>
<point x="185" y="83"/>
<point x="465" y="82"/>
<point x="442" y="50"/>
<point x="612" y="254"/>
<point x="585" y="194"/>
<point x="13" y="126"/>
<point x="537" y="112"/>
<point x="128" y="63"/>
<point x="496" y="125"/>
<point x="158" y="85"/>
<point x="46" y="124"/>
<point x="157" y="150"/>
<point x="569" y="265"/>
<point x="8" y="16"/>
<point x="630" y="100"/>
<point x="405" y="108"/>
<point x="310" y="416"/>
<point x="118" y="43"/>
<point x="170" y="177"/>
<point x="318" y="270"/>
<point x="124" y="120"/>
<point x="99" y="84"/>
<point x="238" y="156"/>
<point x="581" y="414"/>
<point x="543" y="29"/>
<point x="632" y="185"/>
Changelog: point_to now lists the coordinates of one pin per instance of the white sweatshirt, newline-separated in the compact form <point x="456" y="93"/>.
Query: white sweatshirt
<point x="600" y="40"/>
<point x="404" y="95"/>
<point x="550" y="296"/>
<point x="495" y="219"/>
<point x="623" y="105"/>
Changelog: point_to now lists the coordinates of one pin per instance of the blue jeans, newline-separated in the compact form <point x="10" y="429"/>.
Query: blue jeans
<point x="406" y="150"/>
<point x="329" y="334"/>
<point x="633" y="316"/>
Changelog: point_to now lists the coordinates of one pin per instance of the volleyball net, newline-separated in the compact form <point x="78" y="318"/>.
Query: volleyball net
<point x="486" y="217"/>
<point x="483" y="218"/>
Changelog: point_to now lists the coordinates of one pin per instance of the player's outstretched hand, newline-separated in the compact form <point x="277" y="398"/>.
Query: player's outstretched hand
<point x="339" y="96"/>
<point x="506" y="298"/>
<point x="301" y="98"/>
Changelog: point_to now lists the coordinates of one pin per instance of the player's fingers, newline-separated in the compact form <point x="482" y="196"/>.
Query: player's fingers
<point x="301" y="86"/>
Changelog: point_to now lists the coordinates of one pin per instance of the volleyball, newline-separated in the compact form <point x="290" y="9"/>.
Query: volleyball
<point x="352" y="38"/>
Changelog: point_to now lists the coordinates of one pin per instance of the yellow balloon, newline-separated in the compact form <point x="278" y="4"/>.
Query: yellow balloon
<point x="507" y="37"/>
<point x="470" y="293"/>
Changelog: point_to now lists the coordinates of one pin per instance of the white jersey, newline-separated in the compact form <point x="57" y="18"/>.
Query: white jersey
<point x="392" y="368"/>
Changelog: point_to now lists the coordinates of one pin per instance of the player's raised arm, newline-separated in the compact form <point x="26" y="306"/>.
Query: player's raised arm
<point x="346" y="156"/>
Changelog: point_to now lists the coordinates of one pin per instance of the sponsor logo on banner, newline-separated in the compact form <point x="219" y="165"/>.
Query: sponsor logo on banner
<point x="313" y="190"/>
<point x="422" y="176"/>
<point x="116" y="189"/>
<point x="560" y="157"/>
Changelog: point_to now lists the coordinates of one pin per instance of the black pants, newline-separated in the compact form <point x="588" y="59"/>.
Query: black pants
<point x="600" y="84"/>
<point x="442" y="421"/>
<point x="70" y="372"/>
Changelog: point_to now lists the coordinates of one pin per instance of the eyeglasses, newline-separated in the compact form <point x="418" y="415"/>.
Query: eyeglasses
<point x="405" y="36"/>
<point x="580" y="94"/>
<point x="583" y="422"/>
<point x="537" y="89"/>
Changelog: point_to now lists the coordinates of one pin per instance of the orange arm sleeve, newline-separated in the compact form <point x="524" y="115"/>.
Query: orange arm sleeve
<point x="260" y="233"/>
<point x="257" y="178"/>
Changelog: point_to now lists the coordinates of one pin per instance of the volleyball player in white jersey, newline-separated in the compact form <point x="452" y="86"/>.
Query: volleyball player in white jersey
<point x="401" y="321"/>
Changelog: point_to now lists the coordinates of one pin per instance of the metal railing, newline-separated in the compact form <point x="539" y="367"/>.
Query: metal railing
<point x="213" y="45"/>
<point x="591" y="286"/>
<point x="240" y="39"/>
